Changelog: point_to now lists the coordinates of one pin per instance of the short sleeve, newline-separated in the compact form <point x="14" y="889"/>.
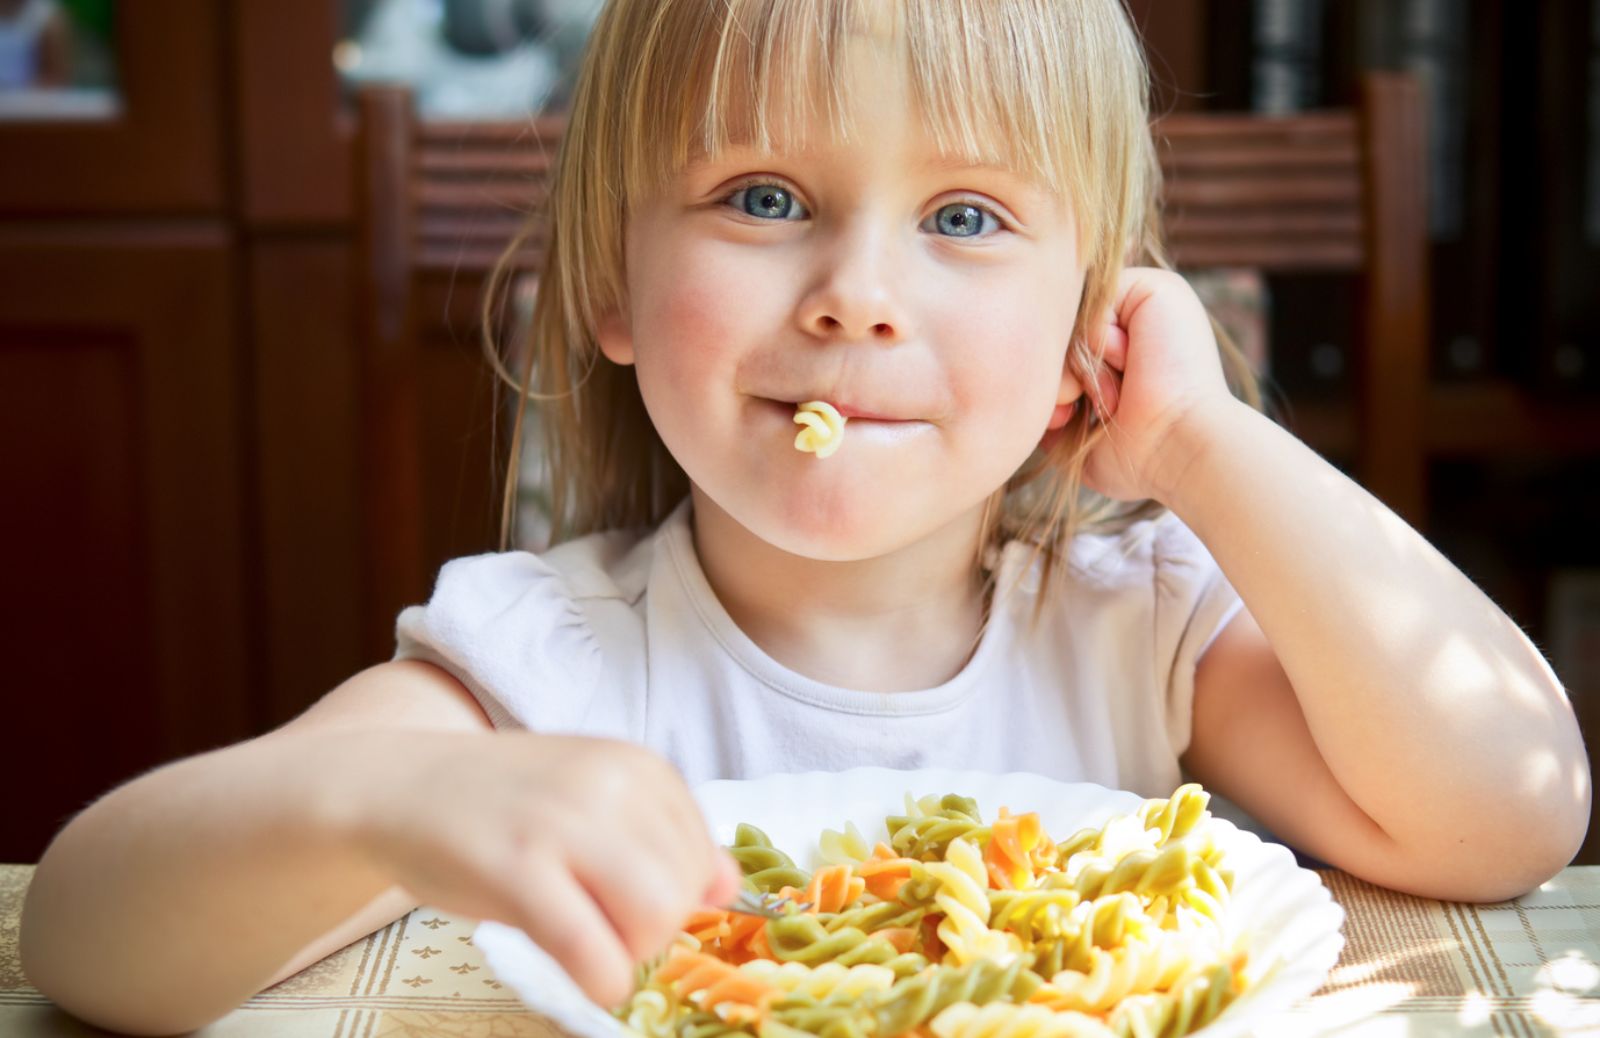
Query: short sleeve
<point x="508" y="628"/>
<point x="1193" y="602"/>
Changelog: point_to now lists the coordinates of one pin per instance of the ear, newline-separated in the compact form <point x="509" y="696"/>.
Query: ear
<point x="1067" y="394"/>
<point x="615" y="335"/>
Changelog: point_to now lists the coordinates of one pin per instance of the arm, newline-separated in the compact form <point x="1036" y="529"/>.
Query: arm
<point x="177" y="897"/>
<point x="238" y="846"/>
<point x="1371" y="705"/>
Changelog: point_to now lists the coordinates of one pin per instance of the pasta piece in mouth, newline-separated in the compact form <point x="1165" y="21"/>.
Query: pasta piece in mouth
<point x="824" y="428"/>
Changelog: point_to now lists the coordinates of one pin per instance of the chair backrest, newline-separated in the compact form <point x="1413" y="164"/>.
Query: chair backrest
<point x="1325" y="191"/>
<point x="437" y="204"/>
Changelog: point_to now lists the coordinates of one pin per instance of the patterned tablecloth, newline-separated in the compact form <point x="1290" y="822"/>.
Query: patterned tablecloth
<point x="1411" y="966"/>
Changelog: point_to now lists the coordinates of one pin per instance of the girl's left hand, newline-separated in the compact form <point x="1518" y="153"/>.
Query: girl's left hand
<point x="1160" y="378"/>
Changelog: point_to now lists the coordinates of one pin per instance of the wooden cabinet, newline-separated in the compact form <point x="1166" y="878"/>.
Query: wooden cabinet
<point x="121" y="440"/>
<point x="162" y="152"/>
<point x="125" y="460"/>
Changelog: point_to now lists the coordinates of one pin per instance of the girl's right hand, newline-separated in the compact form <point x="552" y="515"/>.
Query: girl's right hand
<point x="594" y="848"/>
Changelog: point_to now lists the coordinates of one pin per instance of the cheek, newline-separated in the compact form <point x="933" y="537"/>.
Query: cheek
<point x="1008" y="368"/>
<point x="688" y="327"/>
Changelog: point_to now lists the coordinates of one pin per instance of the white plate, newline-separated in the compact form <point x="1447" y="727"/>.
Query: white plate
<point x="1283" y="909"/>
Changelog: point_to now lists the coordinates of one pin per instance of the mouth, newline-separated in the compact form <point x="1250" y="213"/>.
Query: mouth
<point x="850" y="411"/>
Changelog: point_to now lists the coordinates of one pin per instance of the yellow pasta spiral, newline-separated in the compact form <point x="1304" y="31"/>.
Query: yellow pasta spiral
<point x="1005" y="1020"/>
<point x="824" y="428"/>
<point x="963" y="894"/>
<point x="653" y="1014"/>
<point x="846" y="848"/>
<point x="1135" y="967"/>
<point x="828" y="981"/>
<point x="1175" y="816"/>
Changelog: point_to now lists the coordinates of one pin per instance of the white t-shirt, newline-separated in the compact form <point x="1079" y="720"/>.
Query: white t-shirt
<point x="620" y="635"/>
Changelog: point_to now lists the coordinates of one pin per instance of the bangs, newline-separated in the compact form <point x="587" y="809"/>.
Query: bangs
<point x="1032" y="86"/>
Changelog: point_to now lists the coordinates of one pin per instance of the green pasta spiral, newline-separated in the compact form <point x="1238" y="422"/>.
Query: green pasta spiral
<point x="1033" y="914"/>
<point x="1190" y="1005"/>
<point x="1109" y="922"/>
<point x="703" y="1024"/>
<point x="765" y="868"/>
<point x="870" y="918"/>
<point x="802" y="938"/>
<point x="913" y="1001"/>
<point x="926" y="837"/>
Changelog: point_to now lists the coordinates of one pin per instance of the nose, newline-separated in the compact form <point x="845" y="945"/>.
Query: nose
<point x="856" y="294"/>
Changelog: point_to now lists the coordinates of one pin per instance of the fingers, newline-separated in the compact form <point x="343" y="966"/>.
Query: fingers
<point x="565" y="921"/>
<point x="657" y="867"/>
<point x="1108" y="394"/>
<point x="691" y="835"/>
<point x="645" y="902"/>
<point x="1110" y="340"/>
<point x="726" y="882"/>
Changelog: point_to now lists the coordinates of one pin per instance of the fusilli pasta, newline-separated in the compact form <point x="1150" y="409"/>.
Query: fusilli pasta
<point x="954" y="927"/>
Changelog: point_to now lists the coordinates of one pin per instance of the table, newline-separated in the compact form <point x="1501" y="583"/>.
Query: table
<point x="1411" y="966"/>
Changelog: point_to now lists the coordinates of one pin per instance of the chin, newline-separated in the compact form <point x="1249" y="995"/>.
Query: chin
<point x="845" y="528"/>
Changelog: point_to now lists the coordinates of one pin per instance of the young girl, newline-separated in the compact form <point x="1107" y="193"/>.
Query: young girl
<point x="936" y="216"/>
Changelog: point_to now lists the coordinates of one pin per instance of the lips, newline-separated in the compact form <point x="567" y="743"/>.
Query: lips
<point x="854" y="412"/>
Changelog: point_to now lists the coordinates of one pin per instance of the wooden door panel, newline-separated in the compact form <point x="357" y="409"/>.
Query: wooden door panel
<point x="294" y="131"/>
<point x="308" y="474"/>
<point x="123" y="622"/>
<point x="77" y="608"/>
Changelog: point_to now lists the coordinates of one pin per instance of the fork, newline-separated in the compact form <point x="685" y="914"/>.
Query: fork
<point x="750" y="903"/>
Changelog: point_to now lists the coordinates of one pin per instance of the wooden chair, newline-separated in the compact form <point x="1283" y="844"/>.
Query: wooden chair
<point x="437" y="202"/>
<point x="1327" y="191"/>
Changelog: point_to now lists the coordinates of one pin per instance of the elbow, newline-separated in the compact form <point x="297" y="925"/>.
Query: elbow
<point x="79" y="999"/>
<point x="55" y="965"/>
<point x="1505" y="867"/>
<point x="1509" y="882"/>
<point x="1500" y="858"/>
<point x="1540" y="836"/>
<point x="83" y="998"/>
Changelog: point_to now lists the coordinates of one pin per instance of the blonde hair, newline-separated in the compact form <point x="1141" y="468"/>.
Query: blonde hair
<point x="1056" y="89"/>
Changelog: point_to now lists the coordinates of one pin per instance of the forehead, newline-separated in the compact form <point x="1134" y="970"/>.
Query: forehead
<point x="869" y="101"/>
<point x="793" y="83"/>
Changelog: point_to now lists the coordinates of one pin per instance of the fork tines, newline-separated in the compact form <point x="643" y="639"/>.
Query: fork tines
<point x="751" y="903"/>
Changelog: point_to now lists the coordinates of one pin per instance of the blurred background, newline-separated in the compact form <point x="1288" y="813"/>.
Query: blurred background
<point x="245" y="416"/>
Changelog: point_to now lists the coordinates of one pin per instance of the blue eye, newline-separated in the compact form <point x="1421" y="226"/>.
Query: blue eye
<point x="766" y="201"/>
<point x="962" y="220"/>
